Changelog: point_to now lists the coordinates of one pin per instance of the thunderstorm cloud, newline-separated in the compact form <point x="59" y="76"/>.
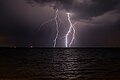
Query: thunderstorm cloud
<point x="98" y="22"/>
<point x="83" y="8"/>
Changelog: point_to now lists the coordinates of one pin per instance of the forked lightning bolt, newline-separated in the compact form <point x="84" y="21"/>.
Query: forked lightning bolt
<point x="73" y="35"/>
<point x="57" y="29"/>
<point x="71" y="30"/>
<point x="57" y="26"/>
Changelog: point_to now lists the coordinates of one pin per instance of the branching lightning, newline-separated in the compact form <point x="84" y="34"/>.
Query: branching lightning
<point x="73" y="35"/>
<point x="57" y="26"/>
<point x="71" y="30"/>
<point x="57" y="29"/>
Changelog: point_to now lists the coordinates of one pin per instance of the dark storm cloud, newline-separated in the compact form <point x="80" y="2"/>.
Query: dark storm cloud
<point x="98" y="22"/>
<point x="83" y="8"/>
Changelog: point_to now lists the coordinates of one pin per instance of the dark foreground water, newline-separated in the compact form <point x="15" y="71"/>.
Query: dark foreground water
<point x="59" y="64"/>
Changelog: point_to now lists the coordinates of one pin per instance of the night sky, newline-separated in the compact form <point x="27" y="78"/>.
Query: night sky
<point x="98" y="22"/>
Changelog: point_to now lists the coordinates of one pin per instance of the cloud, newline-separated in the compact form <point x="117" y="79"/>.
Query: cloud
<point x="107" y="18"/>
<point x="98" y="21"/>
<point x="82" y="8"/>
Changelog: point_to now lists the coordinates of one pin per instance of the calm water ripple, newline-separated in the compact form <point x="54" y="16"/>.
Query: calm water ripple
<point x="59" y="64"/>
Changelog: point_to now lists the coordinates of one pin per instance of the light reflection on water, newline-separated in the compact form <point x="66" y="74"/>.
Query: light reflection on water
<point x="60" y="64"/>
<point x="68" y="64"/>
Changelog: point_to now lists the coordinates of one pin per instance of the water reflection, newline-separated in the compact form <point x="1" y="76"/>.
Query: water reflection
<point x="60" y="64"/>
<point x="66" y="66"/>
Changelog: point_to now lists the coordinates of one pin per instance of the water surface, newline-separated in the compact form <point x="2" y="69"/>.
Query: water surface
<point x="60" y="64"/>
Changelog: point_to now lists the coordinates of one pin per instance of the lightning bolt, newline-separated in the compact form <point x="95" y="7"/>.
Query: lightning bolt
<point x="56" y="18"/>
<point x="71" y="30"/>
<point x="57" y="29"/>
<point x="73" y="35"/>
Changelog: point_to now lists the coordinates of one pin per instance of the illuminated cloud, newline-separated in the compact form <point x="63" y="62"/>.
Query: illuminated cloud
<point x="97" y="21"/>
<point x="82" y="8"/>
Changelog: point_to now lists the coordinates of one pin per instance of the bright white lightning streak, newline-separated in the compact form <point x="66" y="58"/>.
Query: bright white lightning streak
<point x="70" y="31"/>
<point x="57" y="29"/>
<point x="71" y="28"/>
<point x="57" y="26"/>
<point x="73" y="35"/>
